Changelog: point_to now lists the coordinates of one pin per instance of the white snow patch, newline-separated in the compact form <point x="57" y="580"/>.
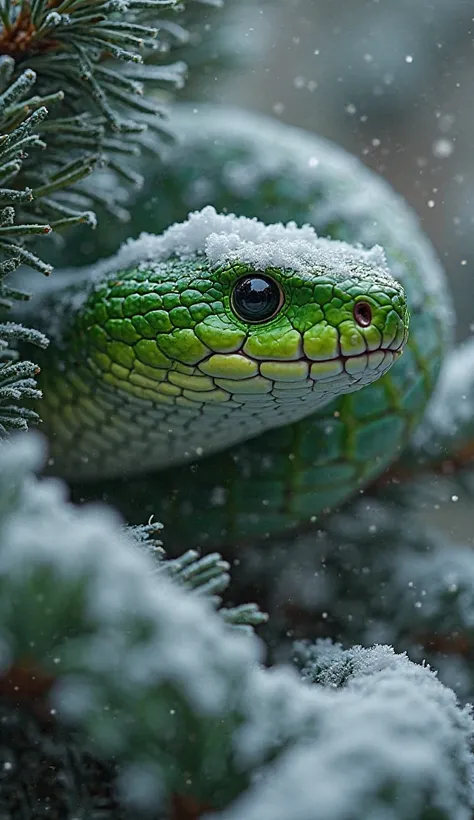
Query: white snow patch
<point x="224" y="238"/>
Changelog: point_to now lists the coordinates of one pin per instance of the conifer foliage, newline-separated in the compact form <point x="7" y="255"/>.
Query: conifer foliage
<point x="72" y="81"/>
<point x="127" y="692"/>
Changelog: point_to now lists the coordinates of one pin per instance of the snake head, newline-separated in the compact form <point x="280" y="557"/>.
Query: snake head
<point x="216" y="331"/>
<point x="226" y="309"/>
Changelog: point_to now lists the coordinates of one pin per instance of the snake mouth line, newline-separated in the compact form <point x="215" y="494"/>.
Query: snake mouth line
<point x="340" y="358"/>
<point x="396" y="351"/>
<point x="287" y="374"/>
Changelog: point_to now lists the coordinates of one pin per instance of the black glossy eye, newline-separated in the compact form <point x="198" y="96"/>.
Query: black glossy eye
<point x="363" y="314"/>
<point x="256" y="298"/>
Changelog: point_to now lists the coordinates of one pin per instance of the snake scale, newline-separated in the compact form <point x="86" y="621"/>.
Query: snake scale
<point x="236" y="377"/>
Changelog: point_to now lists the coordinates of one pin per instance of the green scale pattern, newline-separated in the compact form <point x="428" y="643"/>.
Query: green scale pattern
<point x="131" y="325"/>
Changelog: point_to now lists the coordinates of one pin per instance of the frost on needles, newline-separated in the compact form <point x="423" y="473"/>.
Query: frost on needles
<point x="136" y="668"/>
<point x="72" y="83"/>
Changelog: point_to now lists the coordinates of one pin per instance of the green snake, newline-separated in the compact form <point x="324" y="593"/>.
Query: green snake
<point x="239" y="376"/>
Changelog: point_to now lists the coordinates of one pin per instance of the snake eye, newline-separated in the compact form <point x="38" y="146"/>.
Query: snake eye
<point x="363" y="314"/>
<point x="256" y="298"/>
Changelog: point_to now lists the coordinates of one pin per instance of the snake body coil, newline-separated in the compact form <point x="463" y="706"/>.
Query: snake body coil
<point x="247" y="346"/>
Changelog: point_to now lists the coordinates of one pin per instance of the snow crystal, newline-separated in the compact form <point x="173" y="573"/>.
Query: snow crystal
<point x="224" y="238"/>
<point x="443" y="148"/>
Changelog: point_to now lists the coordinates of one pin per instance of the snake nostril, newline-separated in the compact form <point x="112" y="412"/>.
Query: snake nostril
<point x="363" y="314"/>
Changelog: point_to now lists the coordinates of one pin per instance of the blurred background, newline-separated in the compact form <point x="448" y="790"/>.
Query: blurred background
<point x="390" y="80"/>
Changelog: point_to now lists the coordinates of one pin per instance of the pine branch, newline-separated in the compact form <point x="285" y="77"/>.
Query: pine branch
<point x="208" y="575"/>
<point x="387" y="746"/>
<point x="128" y="666"/>
<point x="72" y="81"/>
<point x="376" y="572"/>
<point x="127" y="658"/>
